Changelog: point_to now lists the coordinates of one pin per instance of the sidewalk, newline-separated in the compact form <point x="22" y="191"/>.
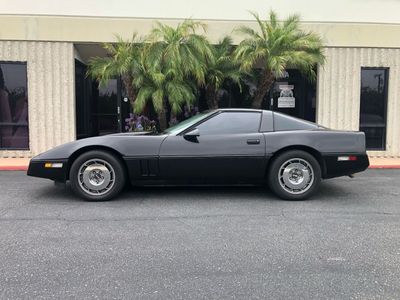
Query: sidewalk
<point x="21" y="164"/>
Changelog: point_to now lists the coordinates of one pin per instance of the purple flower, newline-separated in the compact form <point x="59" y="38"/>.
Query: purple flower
<point x="139" y="123"/>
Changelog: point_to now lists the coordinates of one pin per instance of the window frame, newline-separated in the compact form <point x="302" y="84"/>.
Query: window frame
<point x="385" y="107"/>
<point x="25" y="63"/>
<point x="194" y="126"/>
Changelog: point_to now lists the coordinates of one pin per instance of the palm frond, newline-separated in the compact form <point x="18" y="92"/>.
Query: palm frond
<point x="144" y="94"/>
<point x="261" y="25"/>
<point x="282" y="45"/>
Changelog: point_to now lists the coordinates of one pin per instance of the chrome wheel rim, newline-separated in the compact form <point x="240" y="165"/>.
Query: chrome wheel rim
<point x="96" y="177"/>
<point x="296" y="176"/>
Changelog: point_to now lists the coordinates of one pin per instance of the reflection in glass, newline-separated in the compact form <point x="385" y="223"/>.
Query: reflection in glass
<point x="14" y="133"/>
<point x="373" y="106"/>
<point x="104" y="108"/>
<point x="107" y="100"/>
<point x="231" y="123"/>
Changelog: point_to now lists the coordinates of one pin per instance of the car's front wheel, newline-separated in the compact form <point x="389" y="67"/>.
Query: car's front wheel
<point x="97" y="176"/>
<point x="294" y="175"/>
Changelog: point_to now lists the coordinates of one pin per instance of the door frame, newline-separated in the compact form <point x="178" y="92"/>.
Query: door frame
<point x="88" y="85"/>
<point x="302" y="102"/>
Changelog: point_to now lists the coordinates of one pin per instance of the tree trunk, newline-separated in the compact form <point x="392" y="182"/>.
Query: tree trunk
<point x="263" y="87"/>
<point x="130" y="90"/>
<point x="211" y="97"/>
<point x="162" y="119"/>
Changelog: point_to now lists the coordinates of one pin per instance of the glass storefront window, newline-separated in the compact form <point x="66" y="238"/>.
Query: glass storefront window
<point x="374" y="87"/>
<point x="14" y="130"/>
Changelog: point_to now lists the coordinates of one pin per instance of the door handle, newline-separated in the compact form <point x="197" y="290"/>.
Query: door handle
<point x="253" y="142"/>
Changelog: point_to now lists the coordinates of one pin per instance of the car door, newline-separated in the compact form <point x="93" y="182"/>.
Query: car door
<point x="226" y="146"/>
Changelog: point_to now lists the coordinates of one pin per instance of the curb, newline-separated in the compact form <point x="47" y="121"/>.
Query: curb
<point x="13" y="168"/>
<point x="384" y="167"/>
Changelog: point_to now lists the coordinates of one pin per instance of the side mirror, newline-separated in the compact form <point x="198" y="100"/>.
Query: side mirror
<point x="192" y="135"/>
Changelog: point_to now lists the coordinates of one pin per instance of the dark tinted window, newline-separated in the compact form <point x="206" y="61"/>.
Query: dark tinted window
<point x="231" y="122"/>
<point x="14" y="131"/>
<point x="284" y="123"/>
<point x="374" y="85"/>
<point x="105" y="108"/>
<point x="107" y="101"/>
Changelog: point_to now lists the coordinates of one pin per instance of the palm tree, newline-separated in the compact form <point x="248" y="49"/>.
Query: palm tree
<point x="162" y="89"/>
<point x="276" y="47"/>
<point x="123" y="60"/>
<point x="179" y="48"/>
<point x="171" y="60"/>
<point x="219" y="68"/>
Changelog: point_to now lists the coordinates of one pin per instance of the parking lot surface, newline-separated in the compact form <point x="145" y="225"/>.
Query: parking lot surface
<point x="201" y="242"/>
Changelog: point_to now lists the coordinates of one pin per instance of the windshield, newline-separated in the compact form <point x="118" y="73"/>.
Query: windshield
<point x="185" y="124"/>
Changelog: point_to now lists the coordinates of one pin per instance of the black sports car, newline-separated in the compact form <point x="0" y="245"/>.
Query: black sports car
<point x="224" y="146"/>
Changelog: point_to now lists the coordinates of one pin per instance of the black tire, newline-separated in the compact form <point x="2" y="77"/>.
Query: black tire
<point x="277" y="184"/>
<point x="115" y="186"/>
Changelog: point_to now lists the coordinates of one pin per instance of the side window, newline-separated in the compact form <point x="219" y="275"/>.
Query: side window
<point x="287" y="123"/>
<point x="231" y="122"/>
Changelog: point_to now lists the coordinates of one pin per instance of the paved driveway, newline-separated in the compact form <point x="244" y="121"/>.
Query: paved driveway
<point x="203" y="243"/>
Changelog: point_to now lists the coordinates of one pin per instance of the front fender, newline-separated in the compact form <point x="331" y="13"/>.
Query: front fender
<point x="126" y="145"/>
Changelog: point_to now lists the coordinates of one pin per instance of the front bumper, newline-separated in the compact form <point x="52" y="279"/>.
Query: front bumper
<point x="37" y="169"/>
<point x="335" y="168"/>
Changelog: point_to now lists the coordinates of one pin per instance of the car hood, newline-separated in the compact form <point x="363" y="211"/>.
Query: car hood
<point x="130" y="144"/>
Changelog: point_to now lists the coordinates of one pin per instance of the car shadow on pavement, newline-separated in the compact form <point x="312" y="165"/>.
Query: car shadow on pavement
<point x="329" y="190"/>
<point x="64" y="193"/>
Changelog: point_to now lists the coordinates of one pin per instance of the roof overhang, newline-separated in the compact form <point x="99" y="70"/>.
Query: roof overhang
<point x="103" y="29"/>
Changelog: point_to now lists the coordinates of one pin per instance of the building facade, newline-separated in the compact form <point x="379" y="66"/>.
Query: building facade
<point x="46" y="99"/>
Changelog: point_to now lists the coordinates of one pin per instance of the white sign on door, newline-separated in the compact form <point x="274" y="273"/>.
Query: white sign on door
<point x="286" y="99"/>
<point x="286" y="102"/>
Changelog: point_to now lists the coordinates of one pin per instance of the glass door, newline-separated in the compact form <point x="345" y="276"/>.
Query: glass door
<point x="100" y="109"/>
<point x="373" y="106"/>
<point x="105" y="108"/>
<point x="294" y="95"/>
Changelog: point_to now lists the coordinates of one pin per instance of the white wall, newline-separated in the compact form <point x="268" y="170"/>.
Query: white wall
<point x="339" y="91"/>
<point x="375" y="11"/>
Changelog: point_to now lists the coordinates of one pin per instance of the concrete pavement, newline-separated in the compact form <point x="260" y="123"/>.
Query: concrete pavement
<point x="201" y="243"/>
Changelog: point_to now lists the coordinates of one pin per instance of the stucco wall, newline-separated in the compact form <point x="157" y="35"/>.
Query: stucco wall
<point x="51" y="99"/>
<point x="339" y="91"/>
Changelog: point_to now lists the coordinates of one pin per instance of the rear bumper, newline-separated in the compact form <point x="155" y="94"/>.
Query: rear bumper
<point x="37" y="169"/>
<point x="334" y="168"/>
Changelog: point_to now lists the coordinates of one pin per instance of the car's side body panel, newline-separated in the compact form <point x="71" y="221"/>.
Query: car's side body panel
<point x="324" y="141"/>
<point x="215" y="156"/>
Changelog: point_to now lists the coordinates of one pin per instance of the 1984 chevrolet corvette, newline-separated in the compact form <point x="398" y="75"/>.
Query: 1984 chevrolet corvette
<point x="223" y="146"/>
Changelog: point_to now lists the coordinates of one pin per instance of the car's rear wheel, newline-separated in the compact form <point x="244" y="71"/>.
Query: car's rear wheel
<point x="97" y="176"/>
<point x="294" y="175"/>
